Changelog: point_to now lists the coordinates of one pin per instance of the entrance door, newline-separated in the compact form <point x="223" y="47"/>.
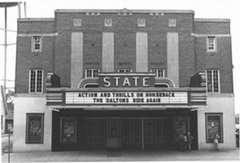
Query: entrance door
<point x="113" y="134"/>
<point x="131" y="133"/>
<point x="153" y="133"/>
<point x="95" y="133"/>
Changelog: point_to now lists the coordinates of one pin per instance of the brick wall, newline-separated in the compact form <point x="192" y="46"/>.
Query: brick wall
<point x="222" y="58"/>
<point x="26" y="59"/>
<point x="57" y="49"/>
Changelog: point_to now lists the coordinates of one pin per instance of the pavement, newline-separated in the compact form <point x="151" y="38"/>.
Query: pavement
<point x="122" y="156"/>
<point x="5" y="142"/>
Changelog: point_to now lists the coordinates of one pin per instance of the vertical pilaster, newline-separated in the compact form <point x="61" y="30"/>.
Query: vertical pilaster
<point x="141" y="52"/>
<point x="108" y="52"/>
<point x="173" y="58"/>
<point x="76" y="58"/>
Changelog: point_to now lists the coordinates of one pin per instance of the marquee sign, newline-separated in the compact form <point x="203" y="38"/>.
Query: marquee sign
<point x="123" y="80"/>
<point x="123" y="98"/>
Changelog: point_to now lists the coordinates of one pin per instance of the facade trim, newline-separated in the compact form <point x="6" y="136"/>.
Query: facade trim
<point x="206" y="35"/>
<point x="36" y="19"/>
<point x="123" y="10"/>
<point x="211" y="20"/>
<point x="37" y="34"/>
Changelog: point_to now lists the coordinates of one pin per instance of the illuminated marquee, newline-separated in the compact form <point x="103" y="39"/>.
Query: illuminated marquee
<point x="135" y="98"/>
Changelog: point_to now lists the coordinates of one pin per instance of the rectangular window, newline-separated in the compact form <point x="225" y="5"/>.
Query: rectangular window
<point x="160" y="73"/>
<point x="36" y="44"/>
<point x="91" y="73"/>
<point x="211" y="44"/>
<point x="124" y="70"/>
<point x="214" y="127"/>
<point x="36" y="81"/>
<point x="213" y="82"/>
<point x="35" y="128"/>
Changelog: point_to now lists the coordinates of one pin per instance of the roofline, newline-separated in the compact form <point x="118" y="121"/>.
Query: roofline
<point x="123" y="10"/>
<point x="35" y="19"/>
<point x="212" y="20"/>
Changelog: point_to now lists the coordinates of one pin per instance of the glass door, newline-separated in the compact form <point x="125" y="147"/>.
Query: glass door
<point x="113" y="134"/>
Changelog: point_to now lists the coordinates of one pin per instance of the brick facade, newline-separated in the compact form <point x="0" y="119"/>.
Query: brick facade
<point x="56" y="43"/>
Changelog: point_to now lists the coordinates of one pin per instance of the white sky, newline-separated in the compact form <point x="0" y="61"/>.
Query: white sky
<point x="203" y="9"/>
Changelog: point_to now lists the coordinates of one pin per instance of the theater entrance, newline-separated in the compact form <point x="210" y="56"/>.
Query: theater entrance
<point x="75" y="130"/>
<point x="126" y="133"/>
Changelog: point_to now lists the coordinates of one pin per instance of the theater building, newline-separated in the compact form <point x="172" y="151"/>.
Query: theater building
<point x="123" y="79"/>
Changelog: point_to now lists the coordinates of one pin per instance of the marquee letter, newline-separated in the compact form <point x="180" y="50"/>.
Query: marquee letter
<point x="136" y="80"/>
<point x="116" y="80"/>
<point x="145" y="84"/>
<point x="106" y="81"/>
<point x="126" y="81"/>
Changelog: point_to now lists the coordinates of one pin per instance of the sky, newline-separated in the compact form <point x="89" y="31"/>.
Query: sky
<point x="203" y="9"/>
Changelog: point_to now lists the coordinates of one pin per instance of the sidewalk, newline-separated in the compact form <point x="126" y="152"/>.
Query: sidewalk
<point x="99" y="156"/>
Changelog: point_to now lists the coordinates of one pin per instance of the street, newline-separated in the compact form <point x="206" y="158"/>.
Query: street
<point x="99" y="156"/>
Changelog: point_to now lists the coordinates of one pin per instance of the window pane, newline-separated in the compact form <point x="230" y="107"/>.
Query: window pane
<point x="32" y="80"/>
<point x="39" y="80"/>
<point x="211" y="43"/>
<point x="89" y="73"/>
<point x="95" y="73"/>
<point x="215" y="81"/>
<point x="209" y="81"/>
<point x="160" y="73"/>
<point x="121" y="70"/>
<point x="37" y="42"/>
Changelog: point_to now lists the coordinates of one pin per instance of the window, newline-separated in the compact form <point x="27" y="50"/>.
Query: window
<point x="124" y="70"/>
<point x="172" y="22"/>
<point x="36" y="44"/>
<point x="141" y="23"/>
<point x="214" y="127"/>
<point x="107" y="22"/>
<point x="36" y="81"/>
<point x="213" y="81"/>
<point x="34" y="128"/>
<point x="160" y="73"/>
<point x="77" y="22"/>
<point x="211" y="44"/>
<point x="91" y="73"/>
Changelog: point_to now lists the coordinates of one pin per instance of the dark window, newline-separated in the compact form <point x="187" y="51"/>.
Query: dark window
<point x="36" y="81"/>
<point x="36" y="43"/>
<point x="214" y="127"/>
<point x="160" y="73"/>
<point x="91" y="73"/>
<point x="35" y="128"/>
<point x="213" y="81"/>
<point x="211" y="43"/>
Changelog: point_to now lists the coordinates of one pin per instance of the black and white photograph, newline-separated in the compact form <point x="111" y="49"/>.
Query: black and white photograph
<point x="119" y="81"/>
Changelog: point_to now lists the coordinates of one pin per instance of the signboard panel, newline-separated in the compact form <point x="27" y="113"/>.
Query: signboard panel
<point x="121" y="98"/>
<point x="126" y="80"/>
